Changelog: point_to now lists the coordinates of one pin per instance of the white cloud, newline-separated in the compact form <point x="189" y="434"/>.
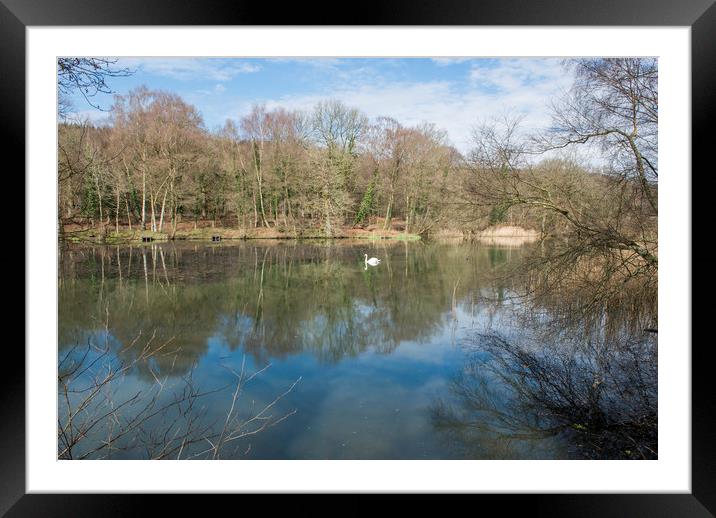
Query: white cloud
<point x="510" y="75"/>
<point x="522" y="87"/>
<point x="94" y="116"/>
<point x="316" y="62"/>
<point x="443" y="62"/>
<point x="192" y="68"/>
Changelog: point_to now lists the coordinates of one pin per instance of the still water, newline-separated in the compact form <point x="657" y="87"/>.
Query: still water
<point x="352" y="361"/>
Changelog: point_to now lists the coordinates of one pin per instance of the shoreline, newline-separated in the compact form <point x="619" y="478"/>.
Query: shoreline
<point x="95" y="235"/>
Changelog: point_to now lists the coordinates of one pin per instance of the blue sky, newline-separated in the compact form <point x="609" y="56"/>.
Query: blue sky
<point x="454" y="93"/>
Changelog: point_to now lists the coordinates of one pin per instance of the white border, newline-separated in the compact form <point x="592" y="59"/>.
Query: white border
<point x="671" y="473"/>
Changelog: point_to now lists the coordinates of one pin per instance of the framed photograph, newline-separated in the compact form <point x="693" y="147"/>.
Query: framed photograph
<point x="419" y="254"/>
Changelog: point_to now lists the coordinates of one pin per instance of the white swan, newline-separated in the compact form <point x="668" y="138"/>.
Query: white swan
<point x="372" y="261"/>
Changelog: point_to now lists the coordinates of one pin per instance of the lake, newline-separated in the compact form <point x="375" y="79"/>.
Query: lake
<point x="334" y="359"/>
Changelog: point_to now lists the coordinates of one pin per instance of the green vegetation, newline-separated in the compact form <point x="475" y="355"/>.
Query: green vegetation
<point x="259" y="294"/>
<point x="586" y="187"/>
<point x="279" y="173"/>
<point x="275" y="174"/>
<point x="124" y="236"/>
<point x="157" y="172"/>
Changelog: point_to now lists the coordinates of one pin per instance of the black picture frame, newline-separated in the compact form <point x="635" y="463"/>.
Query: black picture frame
<point x="700" y="15"/>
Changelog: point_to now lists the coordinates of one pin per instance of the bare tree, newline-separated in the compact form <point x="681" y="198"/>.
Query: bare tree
<point x="603" y="219"/>
<point x="87" y="76"/>
<point x="100" y="417"/>
<point x="275" y="166"/>
<point x="613" y="103"/>
<point x="599" y="397"/>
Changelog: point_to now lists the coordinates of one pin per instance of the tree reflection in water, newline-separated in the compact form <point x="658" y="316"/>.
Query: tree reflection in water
<point x="104" y="413"/>
<point x="582" y="385"/>
<point x="599" y="398"/>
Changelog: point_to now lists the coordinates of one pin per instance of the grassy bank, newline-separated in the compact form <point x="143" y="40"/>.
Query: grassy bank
<point x="111" y="236"/>
<point x="497" y="235"/>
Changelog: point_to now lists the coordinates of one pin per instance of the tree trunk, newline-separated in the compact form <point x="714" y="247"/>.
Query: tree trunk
<point x="261" y="205"/>
<point x="129" y="217"/>
<point x="258" y="157"/>
<point x="99" y="195"/>
<point x="144" y="198"/>
<point x="116" y="215"/>
<point x="154" y="219"/>
<point x="407" y="214"/>
<point x="161" y="216"/>
<point x="256" y="214"/>
<point x="388" y="213"/>
<point x="175" y="217"/>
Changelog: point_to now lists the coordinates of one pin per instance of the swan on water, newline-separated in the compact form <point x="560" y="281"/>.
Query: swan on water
<point x="372" y="261"/>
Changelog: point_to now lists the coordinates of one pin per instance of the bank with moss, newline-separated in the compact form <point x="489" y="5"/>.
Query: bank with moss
<point x="111" y="236"/>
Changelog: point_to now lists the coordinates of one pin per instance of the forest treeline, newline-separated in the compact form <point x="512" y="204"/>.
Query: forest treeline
<point x="590" y="178"/>
<point x="588" y="183"/>
<point x="155" y="165"/>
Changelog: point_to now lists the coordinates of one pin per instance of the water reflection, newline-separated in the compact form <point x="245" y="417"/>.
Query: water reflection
<point x="599" y="397"/>
<point x="375" y="348"/>
<point x="270" y="300"/>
